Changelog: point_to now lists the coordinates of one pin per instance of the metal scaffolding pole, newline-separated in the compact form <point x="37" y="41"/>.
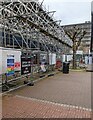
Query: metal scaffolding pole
<point x="25" y="17"/>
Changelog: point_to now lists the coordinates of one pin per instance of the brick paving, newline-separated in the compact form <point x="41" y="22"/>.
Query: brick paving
<point x="20" y="107"/>
<point x="60" y="91"/>
<point x="72" y="89"/>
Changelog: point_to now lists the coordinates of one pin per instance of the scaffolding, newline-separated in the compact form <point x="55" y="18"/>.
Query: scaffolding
<point x="28" y="25"/>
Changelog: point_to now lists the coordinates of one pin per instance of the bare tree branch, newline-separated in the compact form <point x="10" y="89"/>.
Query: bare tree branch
<point x="76" y="35"/>
<point x="79" y="40"/>
<point x="69" y="34"/>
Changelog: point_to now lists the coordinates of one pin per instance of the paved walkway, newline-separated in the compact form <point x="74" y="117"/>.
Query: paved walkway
<point x="54" y="97"/>
<point x="72" y="89"/>
<point x="20" y="107"/>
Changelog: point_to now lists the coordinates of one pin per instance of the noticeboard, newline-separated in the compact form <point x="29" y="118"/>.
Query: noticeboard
<point x="25" y="65"/>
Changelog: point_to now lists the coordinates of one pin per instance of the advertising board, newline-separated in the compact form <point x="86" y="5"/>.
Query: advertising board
<point x="10" y="65"/>
<point x="25" y="65"/>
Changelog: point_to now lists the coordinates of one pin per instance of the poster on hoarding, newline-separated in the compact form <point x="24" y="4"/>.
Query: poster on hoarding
<point x="10" y="65"/>
<point x="43" y="68"/>
<point x="17" y="65"/>
<point x="43" y="59"/>
<point x="25" y="65"/>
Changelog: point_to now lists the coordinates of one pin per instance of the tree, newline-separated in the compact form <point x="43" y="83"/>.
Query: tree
<point x="76" y="35"/>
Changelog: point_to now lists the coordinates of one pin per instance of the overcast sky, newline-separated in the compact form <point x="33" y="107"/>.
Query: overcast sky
<point x="70" y="11"/>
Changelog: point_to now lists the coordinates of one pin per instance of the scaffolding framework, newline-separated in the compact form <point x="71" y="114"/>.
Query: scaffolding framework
<point x="28" y="25"/>
<point x="30" y="28"/>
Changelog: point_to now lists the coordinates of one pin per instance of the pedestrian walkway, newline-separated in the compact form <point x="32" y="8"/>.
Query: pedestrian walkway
<point x="22" y="107"/>
<point x="72" y="89"/>
<point x="59" y="96"/>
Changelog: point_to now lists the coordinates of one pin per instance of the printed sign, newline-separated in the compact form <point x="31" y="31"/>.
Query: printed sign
<point x="17" y="64"/>
<point x="25" y="65"/>
<point x="10" y="65"/>
<point x="43" y="68"/>
<point x="43" y="59"/>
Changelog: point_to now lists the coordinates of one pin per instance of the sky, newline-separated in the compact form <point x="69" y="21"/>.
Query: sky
<point x="70" y="11"/>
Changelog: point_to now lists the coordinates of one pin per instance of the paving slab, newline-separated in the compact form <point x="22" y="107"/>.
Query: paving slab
<point x="71" y="89"/>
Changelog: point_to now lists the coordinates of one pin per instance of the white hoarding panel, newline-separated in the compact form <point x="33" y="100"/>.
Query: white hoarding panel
<point x="90" y="60"/>
<point x="63" y="58"/>
<point x="4" y="52"/>
<point x="69" y="57"/>
<point x="86" y="60"/>
<point x="52" y="58"/>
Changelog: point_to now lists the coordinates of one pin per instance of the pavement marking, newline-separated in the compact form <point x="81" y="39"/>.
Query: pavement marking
<point x="54" y="103"/>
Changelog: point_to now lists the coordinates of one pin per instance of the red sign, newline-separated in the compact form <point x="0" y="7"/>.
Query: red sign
<point x="17" y="64"/>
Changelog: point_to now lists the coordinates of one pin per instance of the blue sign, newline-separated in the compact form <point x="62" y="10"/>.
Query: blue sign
<point x="10" y="65"/>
